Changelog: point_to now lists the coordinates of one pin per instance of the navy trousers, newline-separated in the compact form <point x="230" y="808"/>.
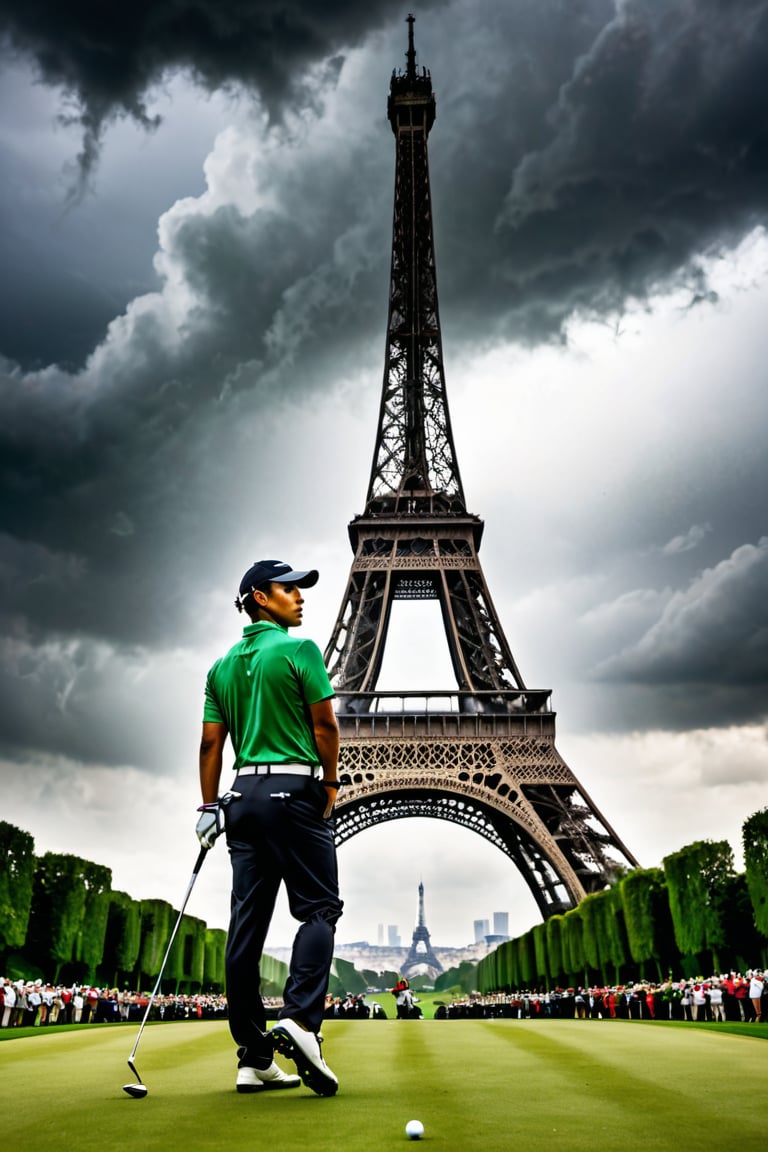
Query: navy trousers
<point x="276" y="833"/>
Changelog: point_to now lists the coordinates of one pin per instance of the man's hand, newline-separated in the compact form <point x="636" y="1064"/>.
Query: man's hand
<point x="331" y="791"/>
<point x="331" y="794"/>
<point x="211" y="823"/>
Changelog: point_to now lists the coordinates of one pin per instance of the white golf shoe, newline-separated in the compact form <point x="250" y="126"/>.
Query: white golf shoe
<point x="303" y="1047"/>
<point x="259" y="1079"/>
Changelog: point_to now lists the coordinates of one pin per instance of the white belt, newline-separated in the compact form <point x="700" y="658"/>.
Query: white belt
<point x="279" y="770"/>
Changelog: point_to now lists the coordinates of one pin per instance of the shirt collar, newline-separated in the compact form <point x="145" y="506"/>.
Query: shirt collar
<point x="261" y="626"/>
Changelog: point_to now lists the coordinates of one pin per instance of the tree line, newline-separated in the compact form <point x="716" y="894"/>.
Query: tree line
<point x="694" y="915"/>
<point x="60" y="919"/>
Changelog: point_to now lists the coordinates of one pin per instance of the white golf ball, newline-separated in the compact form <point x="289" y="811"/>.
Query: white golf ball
<point x="414" y="1129"/>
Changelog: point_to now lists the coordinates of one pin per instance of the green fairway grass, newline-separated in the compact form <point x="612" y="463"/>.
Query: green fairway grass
<point x="554" y="1085"/>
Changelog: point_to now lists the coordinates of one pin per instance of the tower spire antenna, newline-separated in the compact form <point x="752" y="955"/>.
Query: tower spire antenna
<point x="411" y="53"/>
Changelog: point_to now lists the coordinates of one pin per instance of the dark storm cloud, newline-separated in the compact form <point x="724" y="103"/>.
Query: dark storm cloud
<point x="651" y="150"/>
<point x="583" y="153"/>
<point x="98" y="703"/>
<point x="714" y="630"/>
<point x="65" y="274"/>
<point x="109" y="473"/>
<point x="107" y="56"/>
<point x="702" y="661"/>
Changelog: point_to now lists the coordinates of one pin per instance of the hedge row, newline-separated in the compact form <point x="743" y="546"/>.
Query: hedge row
<point x="694" y="915"/>
<point x="60" y="917"/>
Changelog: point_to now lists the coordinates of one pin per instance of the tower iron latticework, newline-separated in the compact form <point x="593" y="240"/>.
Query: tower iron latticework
<point x="482" y="756"/>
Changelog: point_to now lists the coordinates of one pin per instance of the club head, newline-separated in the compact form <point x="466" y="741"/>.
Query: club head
<point x="136" y="1090"/>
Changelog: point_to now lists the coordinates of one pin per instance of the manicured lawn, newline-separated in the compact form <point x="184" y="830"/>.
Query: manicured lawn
<point x="559" y="1086"/>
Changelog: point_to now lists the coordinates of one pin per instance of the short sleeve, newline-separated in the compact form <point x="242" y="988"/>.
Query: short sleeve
<point x="211" y="710"/>
<point x="312" y="672"/>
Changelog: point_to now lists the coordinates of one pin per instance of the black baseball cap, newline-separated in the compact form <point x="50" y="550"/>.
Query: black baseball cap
<point x="266" y="571"/>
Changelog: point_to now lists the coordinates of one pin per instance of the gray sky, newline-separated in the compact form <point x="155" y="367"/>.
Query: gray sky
<point x="196" y="233"/>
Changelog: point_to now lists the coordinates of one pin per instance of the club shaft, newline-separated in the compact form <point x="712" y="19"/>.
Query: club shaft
<point x="190" y="886"/>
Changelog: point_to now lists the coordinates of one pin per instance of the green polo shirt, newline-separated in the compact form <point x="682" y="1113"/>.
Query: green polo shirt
<point x="261" y="689"/>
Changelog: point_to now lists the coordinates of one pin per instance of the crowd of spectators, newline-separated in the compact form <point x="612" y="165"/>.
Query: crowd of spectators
<point x="33" y="1003"/>
<point x="729" y="996"/>
<point x="353" y="1007"/>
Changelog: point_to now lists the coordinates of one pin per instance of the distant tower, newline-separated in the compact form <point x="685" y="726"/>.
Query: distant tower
<point x="421" y="960"/>
<point x="481" y="931"/>
<point x="393" y="936"/>
<point x="483" y="755"/>
<point x="501" y="923"/>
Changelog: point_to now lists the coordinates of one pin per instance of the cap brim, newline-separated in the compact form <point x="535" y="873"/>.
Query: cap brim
<point x="300" y="579"/>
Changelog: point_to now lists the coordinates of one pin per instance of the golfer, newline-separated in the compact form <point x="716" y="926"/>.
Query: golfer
<point x="270" y="694"/>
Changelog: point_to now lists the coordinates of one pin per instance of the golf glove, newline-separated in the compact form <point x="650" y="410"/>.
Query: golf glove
<point x="211" y="823"/>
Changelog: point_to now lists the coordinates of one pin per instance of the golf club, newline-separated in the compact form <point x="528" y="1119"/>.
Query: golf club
<point x="140" y="1089"/>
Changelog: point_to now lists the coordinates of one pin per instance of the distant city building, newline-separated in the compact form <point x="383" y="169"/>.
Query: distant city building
<point x="380" y="939"/>
<point x="393" y="936"/>
<point x="481" y="930"/>
<point x="501" y="923"/>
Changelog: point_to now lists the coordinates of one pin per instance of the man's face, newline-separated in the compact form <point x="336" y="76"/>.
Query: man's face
<point x="282" y="603"/>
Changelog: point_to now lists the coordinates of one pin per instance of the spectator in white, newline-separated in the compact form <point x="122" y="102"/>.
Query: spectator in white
<point x="716" y="1002"/>
<point x="403" y="999"/>
<point x="21" y="1004"/>
<point x="46" y="993"/>
<point x="34" y="1000"/>
<point x="756" y="993"/>
<point x="56" y="1007"/>
<point x="78" y="1002"/>
<point x="686" y="998"/>
<point x="699" y="1006"/>
<point x="10" y="1004"/>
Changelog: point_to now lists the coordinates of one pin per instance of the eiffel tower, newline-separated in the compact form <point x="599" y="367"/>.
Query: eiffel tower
<point x="482" y="756"/>
<point x="421" y="959"/>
